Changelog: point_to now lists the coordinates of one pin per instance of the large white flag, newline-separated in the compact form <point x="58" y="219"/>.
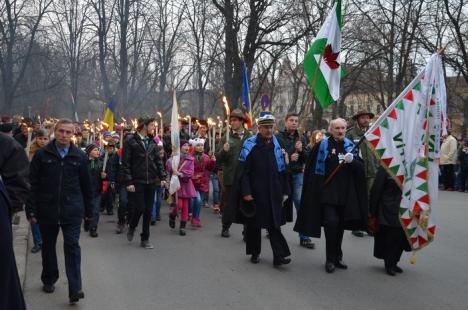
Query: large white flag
<point x="174" y="184"/>
<point x="406" y="138"/>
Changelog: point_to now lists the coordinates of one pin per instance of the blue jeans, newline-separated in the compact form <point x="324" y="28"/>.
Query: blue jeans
<point x="216" y="187"/>
<point x="297" y="180"/>
<point x="196" y="204"/>
<point x="72" y="252"/>
<point x="157" y="203"/>
<point x="96" y="208"/>
<point x="36" y="234"/>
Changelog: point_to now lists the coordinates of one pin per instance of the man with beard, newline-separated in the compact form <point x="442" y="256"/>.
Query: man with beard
<point x="371" y="163"/>
<point x="336" y="202"/>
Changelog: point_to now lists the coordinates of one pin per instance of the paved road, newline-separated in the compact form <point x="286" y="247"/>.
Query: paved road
<point x="205" y="271"/>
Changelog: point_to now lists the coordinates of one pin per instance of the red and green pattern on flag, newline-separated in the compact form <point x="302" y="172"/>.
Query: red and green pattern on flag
<point x="406" y="138"/>
<point x="322" y="61"/>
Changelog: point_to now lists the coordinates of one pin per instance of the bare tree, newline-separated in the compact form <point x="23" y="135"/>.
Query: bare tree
<point x="19" y="25"/>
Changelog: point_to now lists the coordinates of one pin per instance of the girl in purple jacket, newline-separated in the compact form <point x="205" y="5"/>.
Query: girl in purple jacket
<point x="186" y="191"/>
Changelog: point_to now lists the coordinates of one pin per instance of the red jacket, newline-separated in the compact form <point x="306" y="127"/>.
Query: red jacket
<point x="201" y="176"/>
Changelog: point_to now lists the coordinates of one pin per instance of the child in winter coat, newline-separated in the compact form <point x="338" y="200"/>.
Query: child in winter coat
<point x="187" y="190"/>
<point x="95" y="166"/>
<point x="201" y="177"/>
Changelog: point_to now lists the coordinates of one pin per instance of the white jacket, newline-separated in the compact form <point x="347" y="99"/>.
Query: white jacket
<point x="448" y="151"/>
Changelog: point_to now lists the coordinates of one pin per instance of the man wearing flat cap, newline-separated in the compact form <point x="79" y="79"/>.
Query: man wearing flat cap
<point x="362" y="121"/>
<point x="142" y="171"/>
<point x="260" y="189"/>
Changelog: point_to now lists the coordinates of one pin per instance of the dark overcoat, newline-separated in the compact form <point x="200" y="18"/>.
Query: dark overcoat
<point x="259" y="176"/>
<point x="384" y="205"/>
<point x="11" y="295"/>
<point x="310" y="215"/>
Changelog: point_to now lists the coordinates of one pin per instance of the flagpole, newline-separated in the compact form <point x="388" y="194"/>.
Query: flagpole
<point x="312" y="92"/>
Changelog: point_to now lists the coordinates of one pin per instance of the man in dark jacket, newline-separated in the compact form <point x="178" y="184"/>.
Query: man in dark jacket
<point x="342" y="203"/>
<point x="61" y="196"/>
<point x="227" y="155"/>
<point x="294" y="143"/>
<point x="262" y="188"/>
<point x="14" y="169"/>
<point x="142" y="170"/>
<point x="13" y="174"/>
<point x="384" y="206"/>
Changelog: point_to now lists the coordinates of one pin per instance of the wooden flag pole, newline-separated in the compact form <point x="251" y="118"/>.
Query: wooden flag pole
<point x="312" y="91"/>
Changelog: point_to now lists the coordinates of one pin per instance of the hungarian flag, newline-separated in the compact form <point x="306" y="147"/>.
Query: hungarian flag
<point x="109" y="115"/>
<point x="406" y="138"/>
<point x="322" y="60"/>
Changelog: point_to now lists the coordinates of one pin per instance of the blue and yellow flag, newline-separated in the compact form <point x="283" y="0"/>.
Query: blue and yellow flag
<point x="109" y="115"/>
<point x="246" y="95"/>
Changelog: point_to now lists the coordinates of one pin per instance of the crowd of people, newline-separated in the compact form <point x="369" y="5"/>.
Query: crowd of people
<point x="254" y="177"/>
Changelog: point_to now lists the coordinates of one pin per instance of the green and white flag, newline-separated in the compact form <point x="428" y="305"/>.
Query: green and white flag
<point x="406" y="138"/>
<point x="325" y="50"/>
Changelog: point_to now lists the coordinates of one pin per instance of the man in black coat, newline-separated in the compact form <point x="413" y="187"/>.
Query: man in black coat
<point x="294" y="143"/>
<point x="261" y="190"/>
<point x="384" y="206"/>
<point x="13" y="186"/>
<point x="142" y="170"/>
<point x="342" y="203"/>
<point x="61" y="196"/>
<point x="14" y="169"/>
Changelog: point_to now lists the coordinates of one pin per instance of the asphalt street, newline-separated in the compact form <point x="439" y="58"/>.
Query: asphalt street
<point x="204" y="271"/>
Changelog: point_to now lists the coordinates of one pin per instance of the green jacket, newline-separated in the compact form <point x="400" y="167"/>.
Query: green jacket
<point x="229" y="160"/>
<point x="371" y="162"/>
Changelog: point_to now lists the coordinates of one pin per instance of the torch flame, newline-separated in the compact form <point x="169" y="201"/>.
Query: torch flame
<point x="226" y="106"/>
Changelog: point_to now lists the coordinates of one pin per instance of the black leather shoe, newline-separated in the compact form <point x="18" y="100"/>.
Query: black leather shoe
<point x="358" y="233"/>
<point x="93" y="233"/>
<point x="254" y="259"/>
<point x="278" y="261"/>
<point x="225" y="233"/>
<point x="48" y="288"/>
<point x="340" y="265"/>
<point x="397" y="269"/>
<point x="306" y="243"/>
<point x="329" y="267"/>
<point x="153" y="222"/>
<point x="390" y="271"/>
<point x="75" y="297"/>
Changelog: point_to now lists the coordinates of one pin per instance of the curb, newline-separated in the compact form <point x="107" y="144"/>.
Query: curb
<point x="20" y="245"/>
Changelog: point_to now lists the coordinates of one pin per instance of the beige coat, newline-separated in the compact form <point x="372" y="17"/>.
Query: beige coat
<point x="448" y="151"/>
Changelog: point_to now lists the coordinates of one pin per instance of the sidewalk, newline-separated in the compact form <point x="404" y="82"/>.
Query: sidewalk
<point x="20" y="245"/>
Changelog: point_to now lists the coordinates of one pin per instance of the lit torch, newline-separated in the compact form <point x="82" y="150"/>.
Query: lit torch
<point x="228" y="112"/>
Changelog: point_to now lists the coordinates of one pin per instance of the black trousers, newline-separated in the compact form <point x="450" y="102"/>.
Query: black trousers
<point x="394" y="241"/>
<point x="227" y="214"/>
<point x="72" y="252"/>
<point x="142" y="204"/>
<point x="333" y="226"/>
<point x="253" y="240"/>
<point x="448" y="175"/>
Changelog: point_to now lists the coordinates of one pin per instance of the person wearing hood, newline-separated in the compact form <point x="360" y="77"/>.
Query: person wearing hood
<point x="203" y="164"/>
<point x="186" y="191"/>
